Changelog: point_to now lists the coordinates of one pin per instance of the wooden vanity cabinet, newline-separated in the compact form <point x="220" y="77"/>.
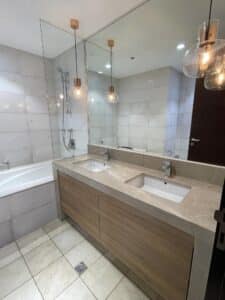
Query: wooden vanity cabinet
<point x="80" y="203"/>
<point x="158" y="254"/>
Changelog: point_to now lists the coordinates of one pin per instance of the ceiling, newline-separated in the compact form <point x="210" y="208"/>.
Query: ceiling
<point x="151" y="34"/>
<point x="19" y="19"/>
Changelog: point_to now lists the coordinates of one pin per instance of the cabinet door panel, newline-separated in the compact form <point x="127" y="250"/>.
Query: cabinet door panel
<point x="157" y="252"/>
<point x="80" y="203"/>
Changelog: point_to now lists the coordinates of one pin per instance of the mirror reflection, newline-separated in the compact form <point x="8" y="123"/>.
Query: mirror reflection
<point x="158" y="108"/>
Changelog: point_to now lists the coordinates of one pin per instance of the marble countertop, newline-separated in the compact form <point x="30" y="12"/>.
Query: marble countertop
<point x="193" y="215"/>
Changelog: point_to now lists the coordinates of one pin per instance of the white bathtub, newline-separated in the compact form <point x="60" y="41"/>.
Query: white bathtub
<point x="22" y="178"/>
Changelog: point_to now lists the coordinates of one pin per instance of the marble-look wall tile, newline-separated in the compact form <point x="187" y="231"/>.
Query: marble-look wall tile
<point x="184" y="118"/>
<point x="78" y="119"/>
<point x="102" y="115"/>
<point x="23" y="107"/>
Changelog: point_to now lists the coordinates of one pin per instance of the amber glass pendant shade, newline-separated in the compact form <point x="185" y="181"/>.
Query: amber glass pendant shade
<point x="199" y="58"/>
<point x="112" y="96"/>
<point x="215" y="78"/>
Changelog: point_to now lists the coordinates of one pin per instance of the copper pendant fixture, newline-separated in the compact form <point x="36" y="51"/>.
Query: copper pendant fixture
<point x="112" y="96"/>
<point x="201" y="60"/>
<point x="74" y="24"/>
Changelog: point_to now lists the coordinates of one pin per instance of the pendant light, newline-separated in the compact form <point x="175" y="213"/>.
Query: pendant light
<point x="112" y="96"/>
<point x="74" y="24"/>
<point x="199" y="58"/>
<point x="215" y="78"/>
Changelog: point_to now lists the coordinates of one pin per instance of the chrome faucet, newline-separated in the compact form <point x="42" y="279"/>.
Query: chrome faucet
<point x="167" y="168"/>
<point x="5" y="164"/>
<point x="106" y="154"/>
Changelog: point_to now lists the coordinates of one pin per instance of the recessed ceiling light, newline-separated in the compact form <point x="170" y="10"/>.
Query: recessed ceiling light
<point x="100" y="72"/>
<point x="108" y="66"/>
<point x="180" y="46"/>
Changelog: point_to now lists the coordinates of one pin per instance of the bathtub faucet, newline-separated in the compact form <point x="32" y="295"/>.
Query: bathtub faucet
<point x="5" y="164"/>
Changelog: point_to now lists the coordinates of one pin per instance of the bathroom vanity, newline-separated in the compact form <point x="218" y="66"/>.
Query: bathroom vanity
<point x="153" y="228"/>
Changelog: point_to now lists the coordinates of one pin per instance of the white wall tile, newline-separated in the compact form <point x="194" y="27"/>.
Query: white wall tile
<point x="38" y="121"/>
<point x="31" y="65"/>
<point x="14" y="141"/>
<point x="9" y="59"/>
<point x="6" y="235"/>
<point x="30" y="199"/>
<point x="11" y="83"/>
<point x="13" y="122"/>
<point x="22" y="91"/>
<point x="34" y="219"/>
<point x="10" y="102"/>
<point x="36" y="104"/>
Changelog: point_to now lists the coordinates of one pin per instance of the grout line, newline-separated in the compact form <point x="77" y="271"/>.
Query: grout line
<point x="88" y="287"/>
<point x="23" y="257"/>
<point x="67" y="287"/>
<point x="62" y="256"/>
<point x="31" y="278"/>
<point x="115" y="286"/>
<point x="34" y="280"/>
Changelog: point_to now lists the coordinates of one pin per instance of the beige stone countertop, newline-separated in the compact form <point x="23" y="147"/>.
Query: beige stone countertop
<point x="193" y="215"/>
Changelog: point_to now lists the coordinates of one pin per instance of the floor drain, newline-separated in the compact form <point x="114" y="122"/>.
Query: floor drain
<point x="81" y="268"/>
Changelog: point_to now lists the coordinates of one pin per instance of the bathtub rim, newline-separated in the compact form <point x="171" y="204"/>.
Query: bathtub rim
<point x="29" y="185"/>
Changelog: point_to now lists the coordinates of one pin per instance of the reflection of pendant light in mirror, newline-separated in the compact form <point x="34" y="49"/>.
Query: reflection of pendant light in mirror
<point x="112" y="96"/>
<point x="215" y="77"/>
<point x="74" y="24"/>
<point x="201" y="56"/>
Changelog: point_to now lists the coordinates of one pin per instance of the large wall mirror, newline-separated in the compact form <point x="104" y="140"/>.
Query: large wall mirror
<point x="159" y="109"/>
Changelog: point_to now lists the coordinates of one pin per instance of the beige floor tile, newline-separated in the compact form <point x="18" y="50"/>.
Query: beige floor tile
<point x="28" y="291"/>
<point x="8" y="254"/>
<point x="102" y="277"/>
<point x="68" y="239"/>
<point x="126" y="290"/>
<point x="84" y="252"/>
<point x="32" y="240"/>
<point x="41" y="256"/>
<point x="76" y="291"/>
<point x="55" y="278"/>
<point x="12" y="276"/>
<point x="55" y="227"/>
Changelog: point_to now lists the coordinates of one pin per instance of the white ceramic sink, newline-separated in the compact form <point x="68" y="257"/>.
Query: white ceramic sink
<point x="94" y="165"/>
<point x="159" y="187"/>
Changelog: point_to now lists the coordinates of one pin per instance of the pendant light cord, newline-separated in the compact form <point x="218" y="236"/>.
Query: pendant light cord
<point x="111" y="65"/>
<point x="75" y="49"/>
<point x="209" y="19"/>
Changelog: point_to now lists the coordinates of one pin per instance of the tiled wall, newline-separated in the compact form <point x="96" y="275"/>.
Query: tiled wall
<point x="26" y="211"/>
<point x="185" y="108"/>
<point x="24" y="119"/>
<point x="153" y="114"/>
<point x="102" y="114"/>
<point x="147" y="112"/>
<point x="78" y="120"/>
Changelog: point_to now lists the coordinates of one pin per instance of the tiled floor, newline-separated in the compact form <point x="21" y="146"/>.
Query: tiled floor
<point x="41" y="266"/>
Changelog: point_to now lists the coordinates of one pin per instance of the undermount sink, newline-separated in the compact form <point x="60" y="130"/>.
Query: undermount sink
<point x="94" y="165"/>
<point x="159" y="187"/>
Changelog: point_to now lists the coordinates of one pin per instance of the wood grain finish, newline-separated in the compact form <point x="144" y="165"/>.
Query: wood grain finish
<point x="158" y="254"/>
<point x="80" y="202"/>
